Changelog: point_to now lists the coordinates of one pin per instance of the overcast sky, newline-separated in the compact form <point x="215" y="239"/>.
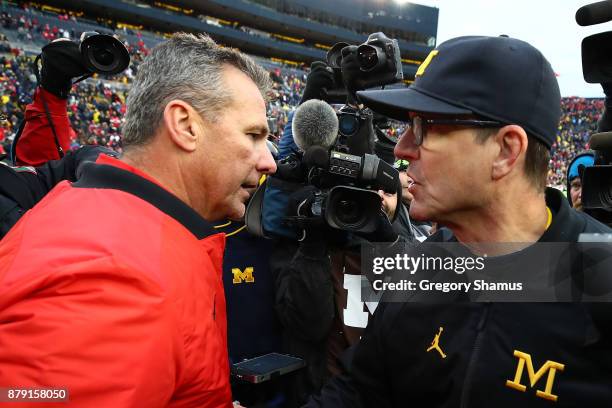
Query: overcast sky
<point x="549" y="25"/>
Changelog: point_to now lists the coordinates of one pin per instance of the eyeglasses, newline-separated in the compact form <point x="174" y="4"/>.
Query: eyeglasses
<point x="419" y="125"/>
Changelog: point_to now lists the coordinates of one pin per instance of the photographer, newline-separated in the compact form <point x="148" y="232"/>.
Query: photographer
<point x="44" y="137"/>
<point x="143" y="278"/>
<point x="319" y="281"/>
<point x="47" y="133"/>
<point x="575" y="170"/>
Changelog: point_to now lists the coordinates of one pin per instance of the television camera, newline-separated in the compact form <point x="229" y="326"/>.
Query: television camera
<point x="597" y="68"/>
<point x="340" y="166"/>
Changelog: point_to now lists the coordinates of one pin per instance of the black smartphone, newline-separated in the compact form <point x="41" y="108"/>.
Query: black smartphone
<point x="266" y="367"/>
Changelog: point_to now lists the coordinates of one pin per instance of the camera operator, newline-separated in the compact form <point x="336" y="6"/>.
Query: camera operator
<point x="575" y="171"/>
<point x="595" y="179"/>
<point x="319" y="282"/>
<point x="495" y="100"/>
<point x="45" y="136"/>
<point x="61" y="62"/>
<point x="143" y="277"/>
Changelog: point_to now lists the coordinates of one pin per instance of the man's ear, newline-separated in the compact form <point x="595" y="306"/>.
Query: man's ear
<point x="181" y="121"/>
<point x="511" y="148"/>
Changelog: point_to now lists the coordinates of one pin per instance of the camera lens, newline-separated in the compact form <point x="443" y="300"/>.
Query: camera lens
<point x="338" y="60"/>
<point x="367" y="57"/>
<point x="349" y="212"/>
<point x="352" y="208"/>
<point x="605" y="195"/>
<point x="103" y="57"/>
<point x="103" y="53"/>
<point x="334" y="54"/>
<point x="348" y="125"/>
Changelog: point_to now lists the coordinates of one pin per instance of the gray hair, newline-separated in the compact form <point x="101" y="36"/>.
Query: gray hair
<point x="188" y="67"/>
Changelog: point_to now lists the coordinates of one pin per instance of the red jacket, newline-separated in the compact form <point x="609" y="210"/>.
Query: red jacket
<point x="37" y="145"/>
<point x="111" y="287"/>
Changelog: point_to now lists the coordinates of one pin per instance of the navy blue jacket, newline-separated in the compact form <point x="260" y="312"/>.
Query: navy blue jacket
<point x="485" y="347"/>
<point x="252" y="326"/>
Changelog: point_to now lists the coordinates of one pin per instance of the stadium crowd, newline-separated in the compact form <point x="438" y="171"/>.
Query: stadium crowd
<point x="96" y="107"/>
<point x="578" y="122"/>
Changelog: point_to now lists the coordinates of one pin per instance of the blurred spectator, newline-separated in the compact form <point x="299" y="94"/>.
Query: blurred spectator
<point x="578" y="122"/>
<point x="574" y="178"/>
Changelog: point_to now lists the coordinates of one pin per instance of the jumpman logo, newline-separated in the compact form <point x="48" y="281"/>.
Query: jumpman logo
<point x="435" y="344"/>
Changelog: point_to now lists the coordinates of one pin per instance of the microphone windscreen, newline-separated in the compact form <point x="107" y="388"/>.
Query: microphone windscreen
<point x="594" y="13"/>
<point x="314" y="124"/>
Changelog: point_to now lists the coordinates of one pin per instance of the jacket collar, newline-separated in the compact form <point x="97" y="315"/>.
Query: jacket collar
<point x="566" y="225"/>
<point x="108" y="176"/>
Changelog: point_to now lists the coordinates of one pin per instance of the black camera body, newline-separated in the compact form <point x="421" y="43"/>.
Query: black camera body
<point x="379" y="57"/>
<point x="347" y="196"/>
<point x="355" y="131"/>
<point x="379" y="64"/>
<point x="344" y="187"/>
<point x="597" y="68"/>
<point x="597" y="179"/>
<point x="345" y="179"/>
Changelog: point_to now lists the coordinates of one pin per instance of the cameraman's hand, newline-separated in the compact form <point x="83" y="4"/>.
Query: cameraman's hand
<point x="312" y="228"/>
<point x="384" y="231"/>
<point x="351" y="72"/>
<point x="61" y="61"/>
<point x="291" y="168"/>
<point x="321" y="77"/>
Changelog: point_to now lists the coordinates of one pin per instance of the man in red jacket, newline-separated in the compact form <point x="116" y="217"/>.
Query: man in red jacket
<point x="111" y="286"/>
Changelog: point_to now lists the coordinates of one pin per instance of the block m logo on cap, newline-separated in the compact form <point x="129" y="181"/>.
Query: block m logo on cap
<point x="426" y="63"/>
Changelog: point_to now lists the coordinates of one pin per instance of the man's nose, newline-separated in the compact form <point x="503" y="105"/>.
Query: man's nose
<point x="405" y="148"/>
<point x="266" y="163"/>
